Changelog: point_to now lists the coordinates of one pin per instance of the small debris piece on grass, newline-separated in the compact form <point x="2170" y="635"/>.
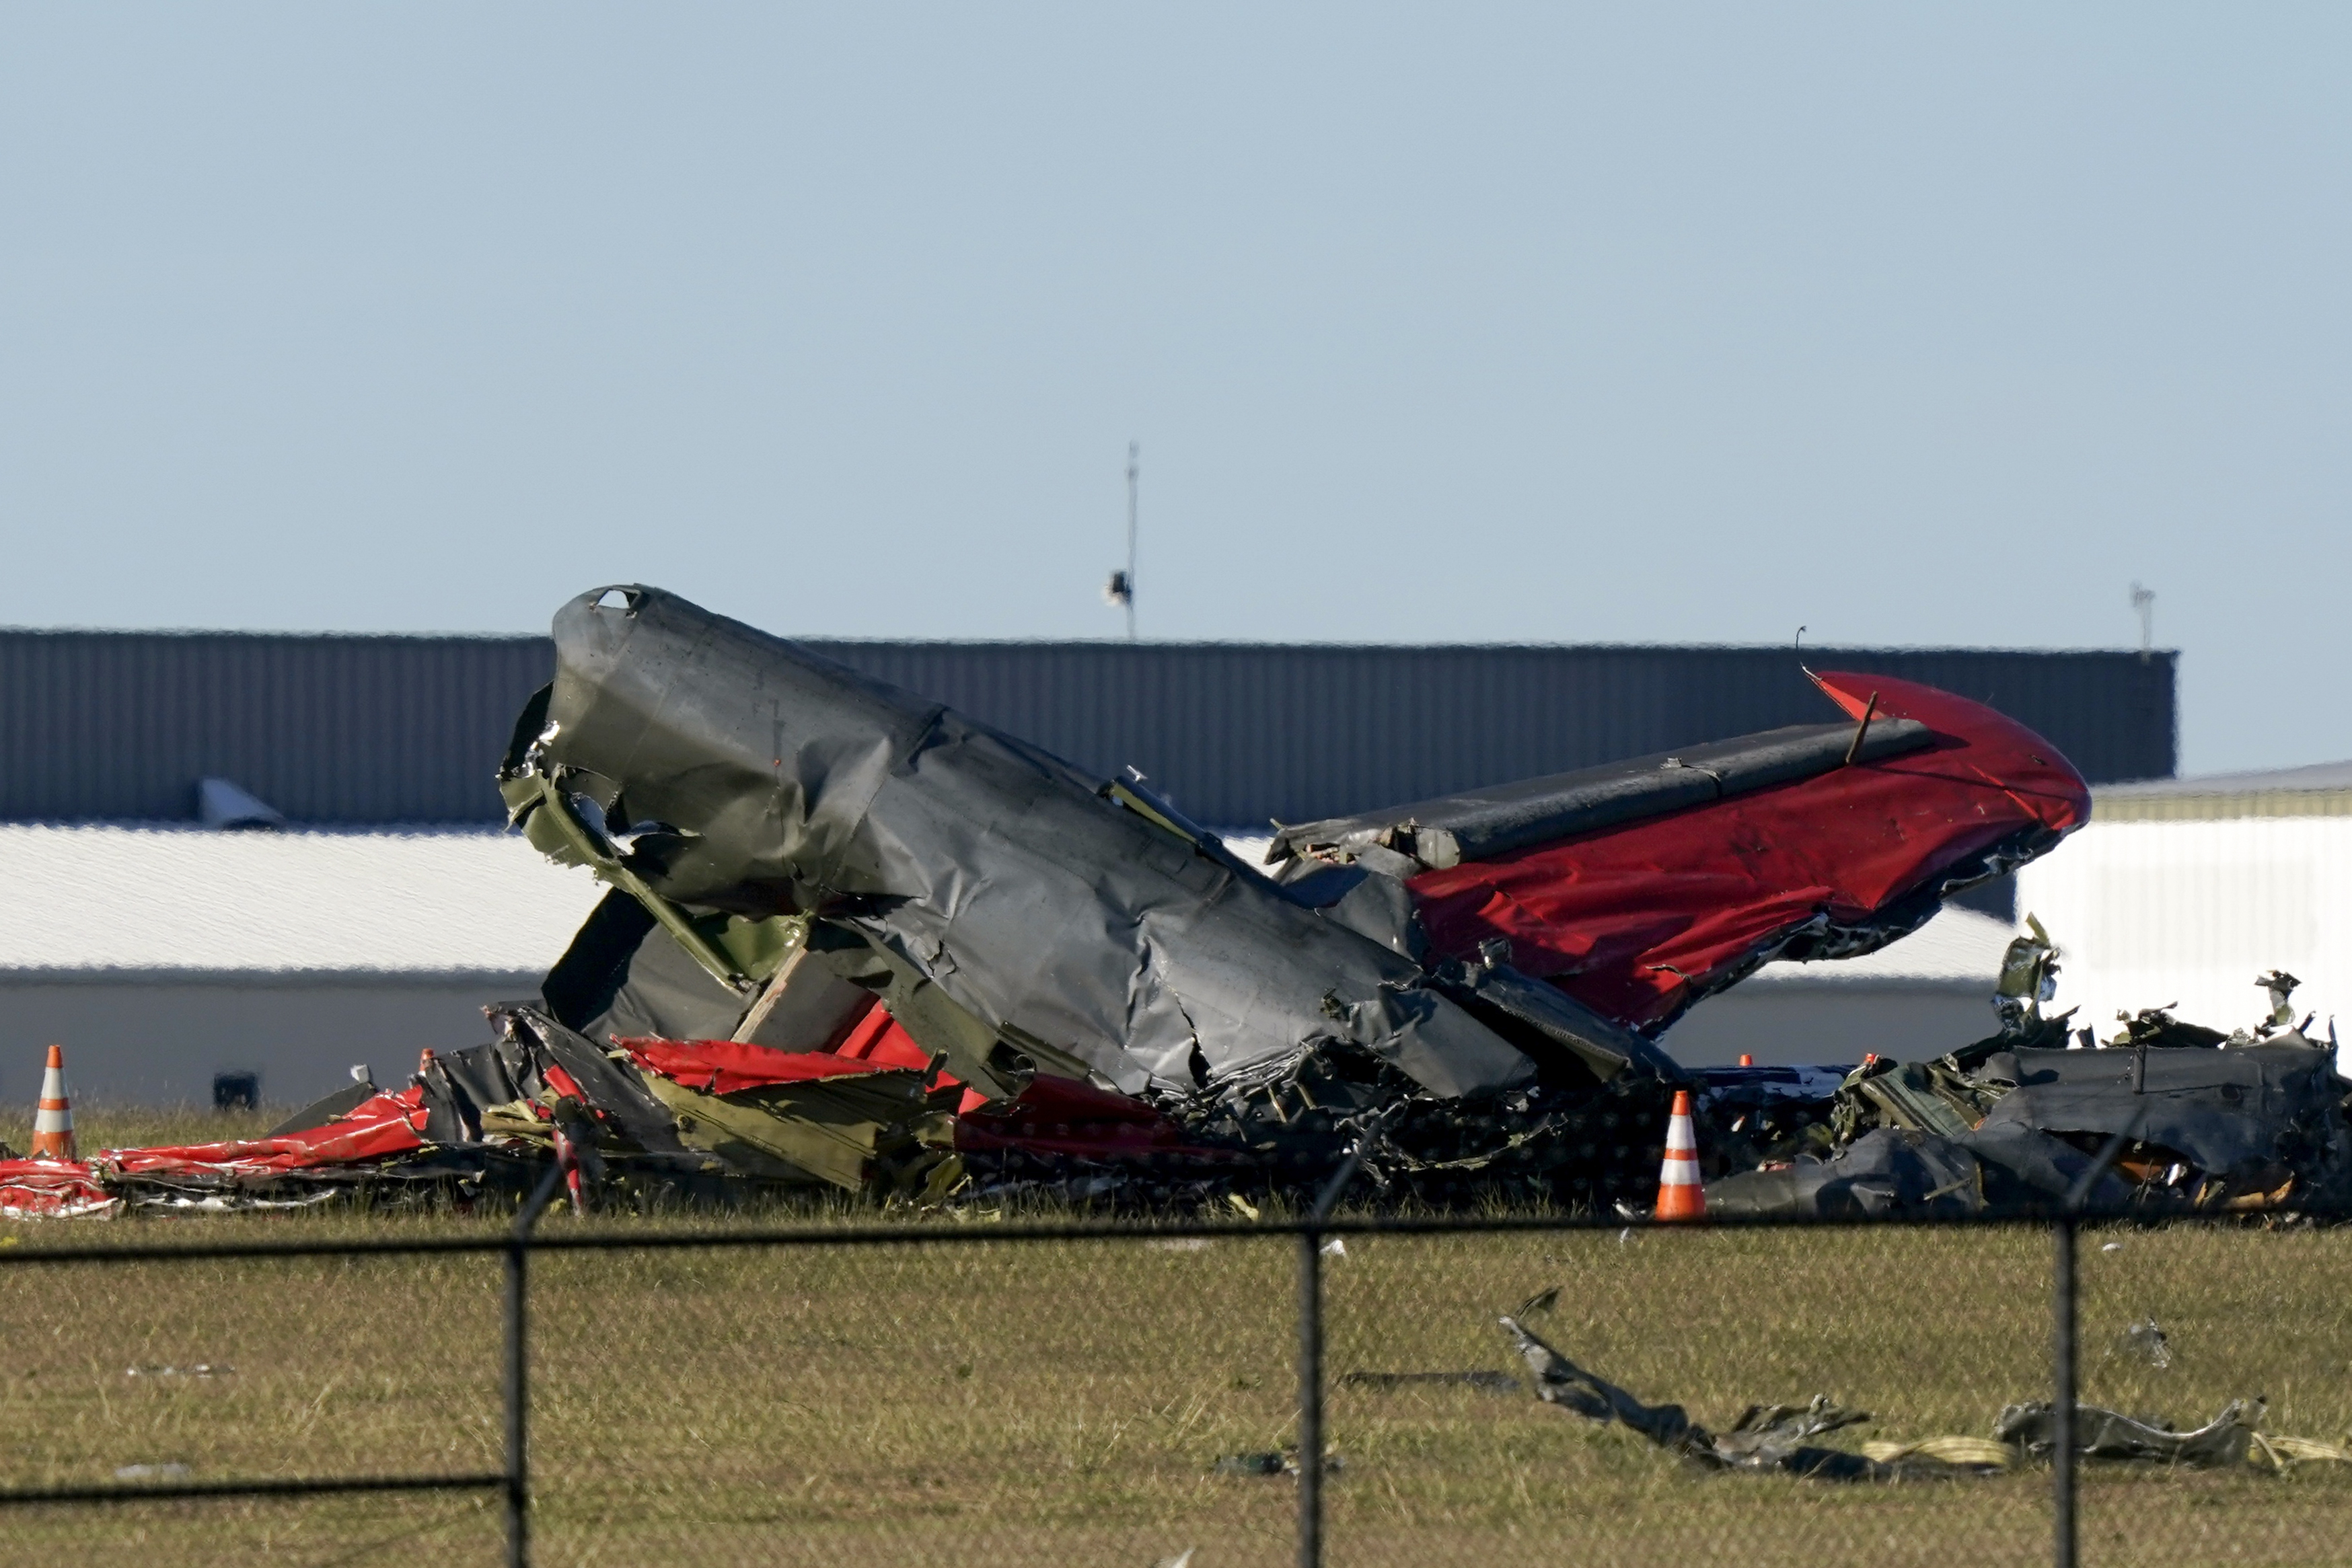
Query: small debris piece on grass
<point x="1270" y="1463"/>
<point x="1543" y="1301"/>
<point x="201" y="1369"/>
<point x="2145" y="1343"/>
<point x="2101" y="1434"/>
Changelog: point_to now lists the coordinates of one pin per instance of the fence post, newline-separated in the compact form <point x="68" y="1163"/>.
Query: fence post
<point x="1310" y="1398"/>
<point x="2062" y="1348"/>
<point x="517" y="1393"/>
<point x="1310" y="1345"/>
<point x="2062" y="1414"/>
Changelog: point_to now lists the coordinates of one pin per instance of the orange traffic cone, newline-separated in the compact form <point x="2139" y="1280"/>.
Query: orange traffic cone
<point x="1680" y="1196"/>
<point x="53" y="1134"/>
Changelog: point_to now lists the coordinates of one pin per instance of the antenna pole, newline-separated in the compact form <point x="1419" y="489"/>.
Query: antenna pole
<point x="1134" y="474"/>
<point x="2144" y="600"/>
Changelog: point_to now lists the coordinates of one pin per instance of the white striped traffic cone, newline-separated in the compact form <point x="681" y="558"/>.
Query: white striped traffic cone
<point x="1680" y="1196"/>
<point x="53" y="1134"/>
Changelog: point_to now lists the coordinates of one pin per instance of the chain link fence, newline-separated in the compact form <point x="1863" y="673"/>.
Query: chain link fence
<point x="1004" y="1391"/>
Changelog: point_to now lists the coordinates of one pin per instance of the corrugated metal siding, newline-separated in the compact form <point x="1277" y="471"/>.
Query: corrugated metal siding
<point x="118" y="726"/>
<point x="1239" y="733"/>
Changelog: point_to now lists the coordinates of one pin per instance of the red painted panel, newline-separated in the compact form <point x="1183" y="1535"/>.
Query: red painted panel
<point x="1638" y="921"/>
<point x="388" y="1124"/>
<point x="724" y="1066"/>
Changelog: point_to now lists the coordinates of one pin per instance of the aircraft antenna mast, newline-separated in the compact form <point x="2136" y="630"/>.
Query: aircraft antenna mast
<point x="1134" y="477"/>
<point x="2144" y="600"/>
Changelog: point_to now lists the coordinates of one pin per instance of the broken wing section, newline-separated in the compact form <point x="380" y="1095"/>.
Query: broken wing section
<point x="1813" y="844"/>
<point x="1486" y="823"/>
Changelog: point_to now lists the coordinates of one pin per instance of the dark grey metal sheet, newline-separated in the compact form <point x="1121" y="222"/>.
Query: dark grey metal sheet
<point x="2225" y="1110"/>
<point x="1495" y="821"/>
<point x="765" y="779"/>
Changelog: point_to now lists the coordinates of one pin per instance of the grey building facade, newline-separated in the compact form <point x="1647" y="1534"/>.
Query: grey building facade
<point x="349" y="731"/>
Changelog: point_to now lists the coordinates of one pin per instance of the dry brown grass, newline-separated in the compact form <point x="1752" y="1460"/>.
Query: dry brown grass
<point x="98" y="1125"/>
<point x="1012" y="1402"/>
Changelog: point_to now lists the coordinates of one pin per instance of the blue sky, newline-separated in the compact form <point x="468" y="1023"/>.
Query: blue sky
<point x="1667" y="323"/>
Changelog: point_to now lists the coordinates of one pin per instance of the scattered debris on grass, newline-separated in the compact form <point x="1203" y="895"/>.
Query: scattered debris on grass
<point x="1774" y="1437"/>
<point x="1778" y="1438"/>
<point x="2248" y="1122"/>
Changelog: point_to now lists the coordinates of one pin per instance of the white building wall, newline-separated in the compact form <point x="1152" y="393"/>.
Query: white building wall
<point x="2188" y="912"/>
<point x="172" y="900"/>
<point x="159" y="957"/>
<point x="134" y="1043"/>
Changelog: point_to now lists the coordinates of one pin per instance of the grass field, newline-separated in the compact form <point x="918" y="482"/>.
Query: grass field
<point x="1013" y="1403"/>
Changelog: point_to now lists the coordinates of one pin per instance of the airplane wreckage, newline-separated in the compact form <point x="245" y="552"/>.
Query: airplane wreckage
<point x="856" y="940"/>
